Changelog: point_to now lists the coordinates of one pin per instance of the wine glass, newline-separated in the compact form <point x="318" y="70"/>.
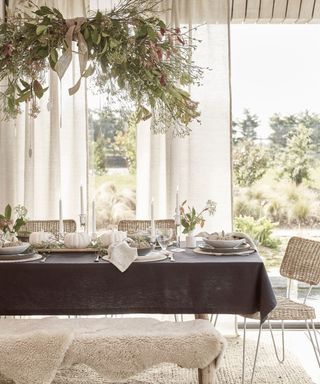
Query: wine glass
<point x="164" y="235"/>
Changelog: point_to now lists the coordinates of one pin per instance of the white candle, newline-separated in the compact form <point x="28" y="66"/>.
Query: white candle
<point x="153" y="226"/>
<point x="81" y="200"/>
<point x="177" y="210"/>
<point x="61" y="229"/>
<point x="177" y="201"/>
<point x="93" y="218"/>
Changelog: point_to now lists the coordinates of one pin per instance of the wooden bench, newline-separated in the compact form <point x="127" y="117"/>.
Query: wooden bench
<point x="116" y="348"/>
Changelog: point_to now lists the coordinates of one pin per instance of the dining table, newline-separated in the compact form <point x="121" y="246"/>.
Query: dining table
<point x="74" y="284"/>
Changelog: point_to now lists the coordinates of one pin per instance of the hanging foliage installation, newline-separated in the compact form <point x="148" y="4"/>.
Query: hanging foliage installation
<point x="129" y="52"/>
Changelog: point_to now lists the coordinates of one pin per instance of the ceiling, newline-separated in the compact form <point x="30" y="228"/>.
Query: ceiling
<point x="275" y="11"/>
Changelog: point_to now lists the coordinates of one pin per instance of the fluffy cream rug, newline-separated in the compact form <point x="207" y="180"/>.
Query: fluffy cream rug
<point x="268" y="370"/>
<point x="31" y="351"/>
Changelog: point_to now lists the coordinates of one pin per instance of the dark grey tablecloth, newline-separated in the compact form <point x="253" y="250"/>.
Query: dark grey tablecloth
<point x="75" y="284"/>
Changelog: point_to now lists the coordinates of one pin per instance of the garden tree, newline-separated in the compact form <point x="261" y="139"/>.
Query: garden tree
<point x="125" y="143"/>
<point x="250" y="162"/>
<point x="283" y="127"/>
<point x="105" y="122"/>
<point x="100" y="155"/>
<point x="296" y="159"/>
<point x="245" y="128"/>
<point x="311" y="120"/>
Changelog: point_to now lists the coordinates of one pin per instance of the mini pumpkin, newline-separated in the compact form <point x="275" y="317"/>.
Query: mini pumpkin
<point x="77" y="240"/>
<point x="37" y="238"/>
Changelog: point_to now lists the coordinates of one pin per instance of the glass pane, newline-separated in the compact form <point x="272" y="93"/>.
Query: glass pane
<point x="276" y="137"/>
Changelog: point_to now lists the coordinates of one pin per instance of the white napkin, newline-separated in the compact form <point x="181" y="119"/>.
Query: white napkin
<point x="121" y="255"/>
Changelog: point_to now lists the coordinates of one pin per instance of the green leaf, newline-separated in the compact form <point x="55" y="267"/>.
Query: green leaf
<point x="24" y="97"/>
<point x="113" y="42"/>
<point x="58" y="13"/>
<point x="89" y="71"/>
<point x="96" y="37"/>
<point x="86" y="34"/>
<point x="18" y="224"/>
<point x="54" y="55"/>
<point x="40" y="29"/>
<point x="7" y="212"/>
<point x="25" y="84"/>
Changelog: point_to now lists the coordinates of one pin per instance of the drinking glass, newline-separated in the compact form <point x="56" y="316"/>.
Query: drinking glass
<point x="164" y="235"/>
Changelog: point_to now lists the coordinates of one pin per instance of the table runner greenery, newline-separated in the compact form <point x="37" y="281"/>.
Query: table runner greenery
<point x="129" y="52"/>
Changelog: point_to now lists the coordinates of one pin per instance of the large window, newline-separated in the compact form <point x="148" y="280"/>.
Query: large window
<point x="276" y="135"/>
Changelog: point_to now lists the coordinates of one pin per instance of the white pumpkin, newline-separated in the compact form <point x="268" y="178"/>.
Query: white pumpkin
<point x="109" y="237"/>
<point x="37" y="238"/>
<point x="77" y="240"/>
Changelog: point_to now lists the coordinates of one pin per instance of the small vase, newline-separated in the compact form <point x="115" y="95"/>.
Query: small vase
<point x="191" y="240"/>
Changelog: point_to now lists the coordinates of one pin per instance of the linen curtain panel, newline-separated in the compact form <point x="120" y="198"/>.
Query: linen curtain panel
<point x="201" y="163"/>
<point x="45" y="158"/>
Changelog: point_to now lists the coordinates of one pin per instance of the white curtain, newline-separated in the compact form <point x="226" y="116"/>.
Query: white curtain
<point x="201" y="163"/>
<point x="45" y="158"/>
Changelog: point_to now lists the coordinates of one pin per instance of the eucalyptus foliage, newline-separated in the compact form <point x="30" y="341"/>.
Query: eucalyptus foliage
<point x="129" y="52"/>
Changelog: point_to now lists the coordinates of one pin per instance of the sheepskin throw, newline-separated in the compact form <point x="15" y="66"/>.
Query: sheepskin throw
<point x="31" y="351"/>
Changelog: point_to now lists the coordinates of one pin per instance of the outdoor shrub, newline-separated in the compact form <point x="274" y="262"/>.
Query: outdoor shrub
<point x="260" y="230"/>
<point x="276" y="211"/>
<point x="245" y="207"/>
<point x="301" y="210"/>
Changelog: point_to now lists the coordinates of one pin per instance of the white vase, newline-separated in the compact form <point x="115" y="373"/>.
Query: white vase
<point x="191" y="241"/>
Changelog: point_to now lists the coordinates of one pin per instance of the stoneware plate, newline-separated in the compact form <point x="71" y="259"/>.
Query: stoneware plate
<point x="14" y="250"/>
<point x="224" y="243"/>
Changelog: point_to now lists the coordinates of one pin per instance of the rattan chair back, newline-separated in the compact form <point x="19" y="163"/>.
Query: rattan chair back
<point x="133" y="226"/>
<point x="302" y="260"/>
<point x="46" y="226"/>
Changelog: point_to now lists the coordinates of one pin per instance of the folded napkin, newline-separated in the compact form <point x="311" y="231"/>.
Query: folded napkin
<point x="121" y="255"/>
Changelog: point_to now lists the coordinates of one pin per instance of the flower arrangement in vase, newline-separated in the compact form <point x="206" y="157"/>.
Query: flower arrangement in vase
<point x="9" y="228"/>
<point x="190" y="219"/>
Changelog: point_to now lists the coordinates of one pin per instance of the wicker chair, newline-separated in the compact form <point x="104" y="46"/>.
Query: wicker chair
<point x="132" y="226"/>
<point x="301" y="262"/>
<point x="47" y="226"/>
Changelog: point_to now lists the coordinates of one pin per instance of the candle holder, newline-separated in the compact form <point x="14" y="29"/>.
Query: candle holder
<point x="83" y="222"/>
<point x="177" y="220"/>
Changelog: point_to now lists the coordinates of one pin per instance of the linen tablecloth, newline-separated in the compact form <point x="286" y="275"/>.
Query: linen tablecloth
<point x="73" y="284"/>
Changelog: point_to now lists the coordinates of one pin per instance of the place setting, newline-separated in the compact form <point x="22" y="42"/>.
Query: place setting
<point x="221" y="244"/>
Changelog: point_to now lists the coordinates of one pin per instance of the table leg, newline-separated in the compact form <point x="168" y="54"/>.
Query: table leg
<point x="207" y="375"/>
<point x="204" y="374"/>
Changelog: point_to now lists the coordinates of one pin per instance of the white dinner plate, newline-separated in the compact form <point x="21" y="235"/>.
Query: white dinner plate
<point x="14" y="250"/>
<point x="243" y="253"/>
<point x="152" y="256"/>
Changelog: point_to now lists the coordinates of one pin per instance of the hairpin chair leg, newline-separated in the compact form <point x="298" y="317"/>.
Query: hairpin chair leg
<point x="215" y="319"/>
<point x="244" y="352"/>
<point x="281" y="360"/>
<point x="236" y="329"/>
<point x="315" y="342"/>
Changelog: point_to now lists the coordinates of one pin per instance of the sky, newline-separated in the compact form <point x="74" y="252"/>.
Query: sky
<point x="275" y="68"/>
